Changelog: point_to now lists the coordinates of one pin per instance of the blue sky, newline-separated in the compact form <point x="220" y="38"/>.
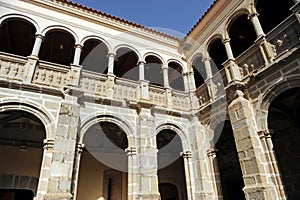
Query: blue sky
<point x="174" y="17"/>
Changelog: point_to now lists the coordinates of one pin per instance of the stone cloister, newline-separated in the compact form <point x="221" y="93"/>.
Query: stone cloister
<point x="93" y="106"/>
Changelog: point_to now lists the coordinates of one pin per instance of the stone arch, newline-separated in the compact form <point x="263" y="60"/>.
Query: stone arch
<point x="63" y="28"/>
<point x="183" y="68"/>
<point x="122" y="123"/>
<point x="178" y="130"/>
<point x="233" y="17"/>
<point x="94" y="54"/>
<point x="20" y="16"/>
<point x="34" y="109"/>
<point x="217" y="52"/>
<point x="212" y="39"/>
<point x="240" y="31"/>
<point x="269" y="95"/>
<point x="17" y="35"/>
<point x="156" y="55"/>
<point x="95" y="37"/>
<point x="128" y="47"/>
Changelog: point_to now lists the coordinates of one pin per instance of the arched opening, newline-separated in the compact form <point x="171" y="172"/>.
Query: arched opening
<point x="242" y="35"/>
<point x="170" y="162"/>
<point x="217" y="53"/>
<point x="153" y="70"/>
<point x="21" y="150"/>
<point x="271" y="16"/>
<point x="168" y="191"/>
<point x="175" y="76"/>
<point x="199" y="71"/>
<point x="58" y="47"/>
<point x="125" y="64"/>
<point x="283" y="123"/>
<point x="94" y="56"/>
<point x="228" y="163"/>
<point x="17" y="36"/>
<point x="103" y="165"/>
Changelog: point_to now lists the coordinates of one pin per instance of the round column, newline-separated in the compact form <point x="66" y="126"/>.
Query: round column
<point x="37" y="45"/>
<point x="142" y="70"/>
<point x="77" y="54"/>
<point x="166" y="76"/>
<point x="207" y="65"/>
<point x="111" y="60"/>
<point x="226" y="43"/>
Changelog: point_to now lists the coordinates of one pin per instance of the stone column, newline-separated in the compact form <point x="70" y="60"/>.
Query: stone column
<point x="266" y="49"/>
<point x="147" y="183"/>
<point x="45" y="169"/>
<point x="185" y="82"/>
<point x="60" y="180"/>
<point x="142" y="70"/>
<point x="187" y="156"/>
<point x="110" y="76"/>
<point x="266" y="140"/>
<point x="77" y="54"/>
<point x="231" y="68"/>
<point x="79" y="149"/>
<point x="208" y="81"/>
<point x="166" y="76"/>
<point x="111" y="60"/>
<point x="191" y="81"/>
<point x="132" y="173"/>
<point x="250" y="150"/>
<point x="167" y="86"/>
<point x="214" y="170"/>
<point x="33" y="58"/>
<point x="37" y="45"/>
<point x="144" y="84"/>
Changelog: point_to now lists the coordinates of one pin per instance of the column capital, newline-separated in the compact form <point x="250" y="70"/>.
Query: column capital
<point x="130" y="151"/>
<point x="78" y="46"/>
<point x="79" y="147"/>
<point x="111" y="54"/>
<point x="39" y="35"/>
<point x="48" y="144"/>
<point x="206" y="58"/>
<point x="141" y="62"/>
<point x="186" y="154"/>
<point x="225" y="40"/>
<point x="211" y="152"/>
<point x="264" y="134"/>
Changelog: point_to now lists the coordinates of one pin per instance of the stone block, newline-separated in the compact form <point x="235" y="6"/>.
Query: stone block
<point x="60" y="169"/>
<point x="64" y="145"/>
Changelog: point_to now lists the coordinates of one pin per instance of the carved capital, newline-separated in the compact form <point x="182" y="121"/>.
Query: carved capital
<point x="48" y="144"/>
<point x="186" y="154"/>
<point x="131" y="151"/>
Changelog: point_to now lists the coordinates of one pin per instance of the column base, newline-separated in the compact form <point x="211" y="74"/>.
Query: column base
<point x="261" y="192"/>
<point x="147" y="197"/>
<point x="60" y="196"/>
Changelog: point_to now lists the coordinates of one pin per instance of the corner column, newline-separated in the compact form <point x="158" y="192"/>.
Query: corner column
<point x="147" y="157"/>
<point x="250" y="150"/>
<point x="45" y="169"/>
<point x="60" y="179"/>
